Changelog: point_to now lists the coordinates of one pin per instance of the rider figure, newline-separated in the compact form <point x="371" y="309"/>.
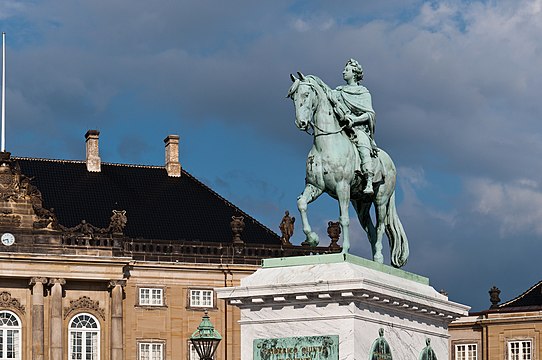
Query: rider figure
<point x="353" y="106"/>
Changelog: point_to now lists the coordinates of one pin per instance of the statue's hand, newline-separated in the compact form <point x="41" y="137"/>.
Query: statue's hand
<point x="349" y="120"/>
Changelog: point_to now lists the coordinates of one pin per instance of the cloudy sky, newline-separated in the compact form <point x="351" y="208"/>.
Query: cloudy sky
<point x="456" y="88"/>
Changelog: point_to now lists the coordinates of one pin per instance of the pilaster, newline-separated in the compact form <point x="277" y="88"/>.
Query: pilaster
<point x="38" y="336"/>
<point x="55" y="342"/>
<point x="117" y="337"/>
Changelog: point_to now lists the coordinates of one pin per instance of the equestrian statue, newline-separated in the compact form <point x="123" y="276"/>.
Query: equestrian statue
<point x="345" y="162"/>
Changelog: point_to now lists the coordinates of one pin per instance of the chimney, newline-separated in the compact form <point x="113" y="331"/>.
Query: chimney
<point x="93" y="151"/>
<point x="173" y="166"/>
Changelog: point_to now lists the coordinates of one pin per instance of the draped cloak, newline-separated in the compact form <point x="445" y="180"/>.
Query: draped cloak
<point x="355" y="99"/>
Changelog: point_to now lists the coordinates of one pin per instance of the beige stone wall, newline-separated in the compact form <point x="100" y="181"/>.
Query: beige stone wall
<point x="175" y="322"/>
<point x="171" y="324"/>
<point x="493" y="331"/>
<point x="464" y="331"/>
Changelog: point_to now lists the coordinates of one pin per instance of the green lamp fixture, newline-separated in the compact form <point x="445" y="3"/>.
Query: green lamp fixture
<point x="205" y="339"/>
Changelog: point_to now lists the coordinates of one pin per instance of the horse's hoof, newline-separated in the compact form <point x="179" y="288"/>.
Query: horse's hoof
<point x="378" y="258"/>
<point x="312" y="239"/>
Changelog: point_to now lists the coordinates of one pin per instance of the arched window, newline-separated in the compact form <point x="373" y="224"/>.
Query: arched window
<point x="84" y="337"/>
<point x="10" y="336"/>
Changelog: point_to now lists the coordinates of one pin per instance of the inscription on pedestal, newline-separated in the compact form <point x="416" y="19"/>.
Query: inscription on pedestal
<point x="324" y="347"/>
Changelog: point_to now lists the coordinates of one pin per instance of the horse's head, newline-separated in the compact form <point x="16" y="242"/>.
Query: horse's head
<point x="303" y="94"/>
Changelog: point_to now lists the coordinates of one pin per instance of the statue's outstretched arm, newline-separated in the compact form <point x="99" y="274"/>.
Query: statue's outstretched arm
<point x="357" y="120"/>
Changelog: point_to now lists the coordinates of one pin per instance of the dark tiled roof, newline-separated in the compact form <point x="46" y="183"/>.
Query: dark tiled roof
<point x="157" y="206"/>
<point x="531" y="297"/>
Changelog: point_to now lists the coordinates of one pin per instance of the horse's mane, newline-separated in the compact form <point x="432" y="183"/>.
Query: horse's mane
<point x="319" y="85"/>
<point x="323" y="86"/>
<point x="319" y="81"/>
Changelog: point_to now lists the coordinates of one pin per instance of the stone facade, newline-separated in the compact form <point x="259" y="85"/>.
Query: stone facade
<point x="47" y="292"/>
<point x="510" y="331"/>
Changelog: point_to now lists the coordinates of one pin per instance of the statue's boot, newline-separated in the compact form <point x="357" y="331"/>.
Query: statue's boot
<point x="369" y="184"/>
<point x="368" y="172"/>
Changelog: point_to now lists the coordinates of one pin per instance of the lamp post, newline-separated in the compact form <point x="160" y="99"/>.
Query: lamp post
<point x="205" y="339"/>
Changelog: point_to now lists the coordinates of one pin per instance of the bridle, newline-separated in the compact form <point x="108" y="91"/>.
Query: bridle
<point x="311" y="122"/>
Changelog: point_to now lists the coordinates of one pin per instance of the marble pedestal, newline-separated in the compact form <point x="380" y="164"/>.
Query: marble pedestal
<point x="344" y="295"/>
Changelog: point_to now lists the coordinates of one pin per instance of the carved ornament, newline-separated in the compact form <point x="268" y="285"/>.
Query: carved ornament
<point x="113" y="283"/>
<point x="54" y="281"/>
<point x="334" y="232"/>
<point x="118" y="222"/>
<point x="16" y="187"/>
<point x="6" y="301"/>
<point x="286" y="228"/>
<point x="10" y="220"/>
<point x="38" y="279"/>
<point x="237" y="226"/>
<point x="84" y="303"/>
<point x="84" y="229"/>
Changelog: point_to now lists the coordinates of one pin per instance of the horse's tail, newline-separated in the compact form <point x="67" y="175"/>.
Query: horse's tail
<point x="396" y="235"/>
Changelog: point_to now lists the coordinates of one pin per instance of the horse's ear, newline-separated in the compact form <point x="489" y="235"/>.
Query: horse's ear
<point x="292" y="77"/>
<point x="293" y="88"/>
<point x="301" y="76"/>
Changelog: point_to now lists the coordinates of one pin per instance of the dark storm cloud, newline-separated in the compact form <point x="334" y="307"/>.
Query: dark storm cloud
<point x="455" y="87"/>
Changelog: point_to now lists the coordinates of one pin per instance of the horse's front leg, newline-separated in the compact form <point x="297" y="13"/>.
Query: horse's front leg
<point x="343" y="194"/>
<point x="310" y="194"/>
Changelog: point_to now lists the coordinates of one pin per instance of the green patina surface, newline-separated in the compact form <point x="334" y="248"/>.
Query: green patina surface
<point x="325" y="347"/>
<point x="339" y="258"/>
<point x="380" y="350"/>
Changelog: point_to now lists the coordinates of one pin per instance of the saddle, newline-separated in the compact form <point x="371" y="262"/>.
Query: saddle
<point x="378" y="168"/>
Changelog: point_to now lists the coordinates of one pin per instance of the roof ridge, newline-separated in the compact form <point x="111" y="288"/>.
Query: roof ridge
<point x="229" y="203"/>
<point x="83" y="162"/>
<point x="521" y="295"/>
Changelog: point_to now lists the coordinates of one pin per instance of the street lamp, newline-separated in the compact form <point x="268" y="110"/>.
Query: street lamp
<point x="205" y="339"/>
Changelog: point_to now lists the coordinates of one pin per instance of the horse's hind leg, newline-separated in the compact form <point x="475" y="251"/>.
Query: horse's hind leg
<point x="364" y="215"/>
<point x="310" y="194"/>
<point x="380" y="211"/>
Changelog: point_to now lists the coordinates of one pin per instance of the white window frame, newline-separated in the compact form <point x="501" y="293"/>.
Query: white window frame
<point x="155" y="350"/>
<point x="85" y="334"/>
<point x="11" y="331"/>
<point x="470" y="351"/>
<point x="198" y="299"/>
<point x="521" y="346"/>
<point x="151" y="296"/>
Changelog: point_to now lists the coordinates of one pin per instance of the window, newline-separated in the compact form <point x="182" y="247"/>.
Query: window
<point x="519" y="350"/>
<point x="466" y="352"/>
<point x="151" y="296"/>
<point x="201" y="298"/>
<point x="151" y="351"/>
<point x="84" y="338"/>
<point x="10" y="336"/>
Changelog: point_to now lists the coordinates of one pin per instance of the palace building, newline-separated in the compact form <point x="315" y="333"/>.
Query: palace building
<point x="105" y="261"/>
<point x="510" y="330"/>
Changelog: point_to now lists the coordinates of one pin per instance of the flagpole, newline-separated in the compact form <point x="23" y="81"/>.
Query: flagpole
<point x="3" y="91"/>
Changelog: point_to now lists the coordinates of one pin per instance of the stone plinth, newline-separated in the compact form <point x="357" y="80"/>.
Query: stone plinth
<point x="344" y="295"/>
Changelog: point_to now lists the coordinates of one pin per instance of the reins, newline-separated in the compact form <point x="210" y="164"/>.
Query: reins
<point x="314" y="126"/>
<point x="324" y="132"/>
